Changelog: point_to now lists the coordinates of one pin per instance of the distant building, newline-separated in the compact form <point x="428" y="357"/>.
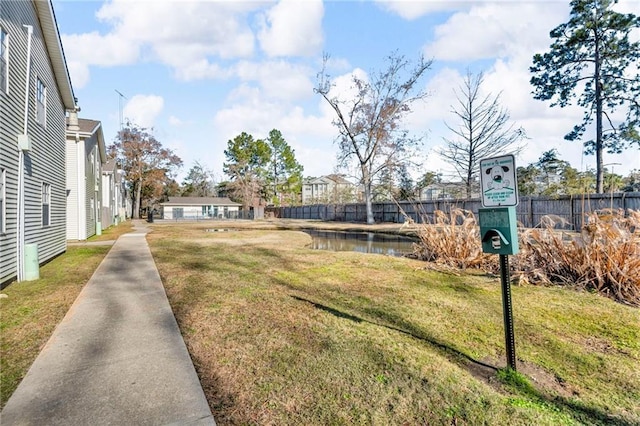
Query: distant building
<point x="328" y="189"/>
<point x="200" y="208"/>
<point x="445" y="191"/>
<point x="116" y="203"/>
<point x="86" y="154"/>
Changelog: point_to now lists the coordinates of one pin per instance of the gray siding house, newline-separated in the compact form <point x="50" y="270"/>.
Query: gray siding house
<point x="86" y="155"/>
<point x="114" y="195"/>
<point x="35" y="94"/>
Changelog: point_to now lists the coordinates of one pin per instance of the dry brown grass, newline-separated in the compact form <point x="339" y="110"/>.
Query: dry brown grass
<point x="453" y="240"/>
<point x="604" y="257"/>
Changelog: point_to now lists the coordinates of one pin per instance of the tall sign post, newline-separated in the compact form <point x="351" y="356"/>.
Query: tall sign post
<point x="498" y="230"/>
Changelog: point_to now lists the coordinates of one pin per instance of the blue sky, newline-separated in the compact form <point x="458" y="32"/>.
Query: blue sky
<point x="201" y="72"/>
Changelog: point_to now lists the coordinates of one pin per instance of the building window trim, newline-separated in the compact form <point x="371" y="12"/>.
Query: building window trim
<point x="46" y="204"/>
<point x="41" y="102"/>
<point x="4" y="61"/>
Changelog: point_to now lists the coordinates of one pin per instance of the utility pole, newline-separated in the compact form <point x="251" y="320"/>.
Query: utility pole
<point x="120" y="106"/>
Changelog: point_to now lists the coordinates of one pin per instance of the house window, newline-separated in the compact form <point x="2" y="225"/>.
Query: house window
<point x="4" y="61"/>
<point x="46" y="204"/>
<point x="41" y="102"/>
<point x="2" y="198"/>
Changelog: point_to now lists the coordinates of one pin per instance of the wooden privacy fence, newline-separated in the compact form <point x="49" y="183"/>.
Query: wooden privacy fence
<point x="530" y="210"/>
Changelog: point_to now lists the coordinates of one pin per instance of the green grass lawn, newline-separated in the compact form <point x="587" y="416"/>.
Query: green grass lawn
<point x="281" y="334"/>
<point x="32" y="309"/>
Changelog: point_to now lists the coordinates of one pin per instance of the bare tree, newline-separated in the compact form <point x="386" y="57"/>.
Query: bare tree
<point x="483" y="131"/>
<point x="147" y="165"/>
<point x="369" y="123"/>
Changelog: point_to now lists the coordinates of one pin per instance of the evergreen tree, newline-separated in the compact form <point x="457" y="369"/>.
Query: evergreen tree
<point x="284" y="177"/>
<point x="631" y="183"/>
<point x="406" y="189"/>
<point x="592" y="50"/>
<point x="246" y="166"/>
<point x="199" y="182"/>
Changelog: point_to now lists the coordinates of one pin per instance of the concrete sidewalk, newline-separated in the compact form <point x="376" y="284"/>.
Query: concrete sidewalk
<point x="117" y="357"/>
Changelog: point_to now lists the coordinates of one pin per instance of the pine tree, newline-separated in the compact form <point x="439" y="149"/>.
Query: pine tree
<point x="593" y="51"/>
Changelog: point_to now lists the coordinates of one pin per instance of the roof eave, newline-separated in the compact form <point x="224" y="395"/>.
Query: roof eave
<point x="101" y="144"/>
<point x="47" y="18"/>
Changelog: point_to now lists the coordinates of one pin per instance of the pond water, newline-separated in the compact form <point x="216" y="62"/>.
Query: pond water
<point x="363" y="242"/>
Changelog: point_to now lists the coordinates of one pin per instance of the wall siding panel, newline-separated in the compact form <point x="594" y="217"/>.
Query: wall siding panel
<point x="72" y="188"/>
<point x="46" y="161"/>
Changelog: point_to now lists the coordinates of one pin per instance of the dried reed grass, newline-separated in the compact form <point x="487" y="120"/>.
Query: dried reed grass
<point x="453" y="240"/>
<point x="603" y="257"/>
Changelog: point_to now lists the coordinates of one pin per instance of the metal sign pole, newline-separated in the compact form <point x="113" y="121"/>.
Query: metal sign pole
<point x="507" y="310"/>
<point x="498" y="230"/>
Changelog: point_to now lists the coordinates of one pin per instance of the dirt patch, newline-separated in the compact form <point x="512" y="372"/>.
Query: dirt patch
<point x="544" y="382"/>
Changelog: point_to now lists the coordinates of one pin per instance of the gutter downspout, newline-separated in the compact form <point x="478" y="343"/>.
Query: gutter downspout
<point x="20" y="207"/>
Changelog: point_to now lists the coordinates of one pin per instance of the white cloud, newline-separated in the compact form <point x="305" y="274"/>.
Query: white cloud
<point x="496" y="30"/>
<point x="437" y="106"/>
<point x="201" y="69"/>
<point x="79" y="74"/>
<point x="95" y="49"/>
<point x="292" y="28"/>
<point x="253" y="110"/>
<point x="344" y="90"/>
<point x="175" y="121"/>
<point x="143" y="109"/>
<point x="184" y="35"/>
<point x="411" y="9"/>
<point x="84" y="50"/>
<point x="627" y="6"/>
<point x="278" y="79"/>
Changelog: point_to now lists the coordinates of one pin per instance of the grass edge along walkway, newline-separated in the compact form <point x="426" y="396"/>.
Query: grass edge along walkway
<point x="283" y="334"/>
<point x="31" y="310"/>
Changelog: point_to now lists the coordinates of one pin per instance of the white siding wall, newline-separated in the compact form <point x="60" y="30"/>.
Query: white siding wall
<point x="192" y="212"/>
<point x="108" y="200"/>
<point x="46" y="161"/>
<point x="92" y="185"/>
<point x="72" y="190"/>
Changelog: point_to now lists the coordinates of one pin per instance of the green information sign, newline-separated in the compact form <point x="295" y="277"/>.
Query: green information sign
<point x="493" y="218"/>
